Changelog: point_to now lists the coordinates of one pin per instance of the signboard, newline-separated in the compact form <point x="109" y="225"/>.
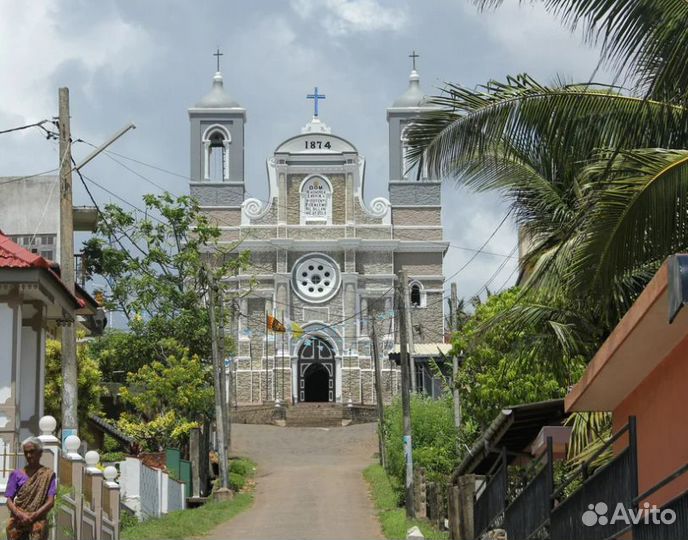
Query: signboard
<point x="315" y="200"/>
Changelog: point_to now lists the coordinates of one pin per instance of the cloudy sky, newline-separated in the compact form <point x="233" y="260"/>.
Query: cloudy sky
<point x="148" y="61"/>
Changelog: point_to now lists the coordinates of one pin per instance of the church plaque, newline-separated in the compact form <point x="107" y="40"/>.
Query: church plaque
<point x="315" y="200"/>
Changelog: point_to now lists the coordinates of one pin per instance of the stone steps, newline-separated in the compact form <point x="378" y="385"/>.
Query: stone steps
<point x="315" y="415"/>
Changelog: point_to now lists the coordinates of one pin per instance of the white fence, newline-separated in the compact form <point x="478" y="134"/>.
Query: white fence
<point x="149" y="492"/>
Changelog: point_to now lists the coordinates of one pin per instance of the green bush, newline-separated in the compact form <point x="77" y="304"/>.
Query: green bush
<point x="112" y="457"/>
<point x="433" y="437"/>
<point x="236" y="481"/>
<point x="241" y="466"/>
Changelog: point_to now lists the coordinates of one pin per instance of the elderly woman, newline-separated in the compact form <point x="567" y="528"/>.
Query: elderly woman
<point x="30" y="495"/>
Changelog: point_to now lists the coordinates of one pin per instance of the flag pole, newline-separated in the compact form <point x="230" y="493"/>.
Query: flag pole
<point x="285" y="322"/>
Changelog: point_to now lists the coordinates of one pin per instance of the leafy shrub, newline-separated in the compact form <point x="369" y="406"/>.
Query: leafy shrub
<point x="236" y="481"/>
<point x="433" y="437"/>
<point x="241" y="466"/>
<point x="112" y="457"/>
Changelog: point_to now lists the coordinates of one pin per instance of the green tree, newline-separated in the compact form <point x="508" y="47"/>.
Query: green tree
<point x="501" y="365"/>
<point x="89" y="379"/>
<point x="158" y="267"/>
<point x="166" y="399"/>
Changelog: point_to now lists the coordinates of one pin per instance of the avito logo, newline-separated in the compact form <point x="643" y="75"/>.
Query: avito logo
<point x="596" y="514"/>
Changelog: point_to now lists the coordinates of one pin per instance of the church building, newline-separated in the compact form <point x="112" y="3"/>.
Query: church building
<point x="324" y="260"/>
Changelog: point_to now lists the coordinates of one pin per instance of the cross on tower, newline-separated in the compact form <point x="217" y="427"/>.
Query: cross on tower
<point x="218" y="54"/>
<point x="315" y="97"/>
<point x="413" y="56"/>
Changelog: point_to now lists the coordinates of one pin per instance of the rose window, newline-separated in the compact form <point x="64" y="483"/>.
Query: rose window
<point x="315" y="278"/>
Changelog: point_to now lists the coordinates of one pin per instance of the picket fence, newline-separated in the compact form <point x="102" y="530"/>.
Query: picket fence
<point x="149" y="492"/>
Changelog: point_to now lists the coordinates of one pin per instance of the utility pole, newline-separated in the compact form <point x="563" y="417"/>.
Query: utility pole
<point x="405" y="396"/>
<point x="217" y="379"/>
<point x="409" y="338"/>
<point x="378" y="392"/>
<point x="226" y="388"/>
<point x="454" y="327"/>
<point x="69" y="367"/>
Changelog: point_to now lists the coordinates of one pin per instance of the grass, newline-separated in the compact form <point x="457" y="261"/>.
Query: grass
<point x="393" y="519"/>
<point x="193" y="522"/>
<point x="189" y="523"/>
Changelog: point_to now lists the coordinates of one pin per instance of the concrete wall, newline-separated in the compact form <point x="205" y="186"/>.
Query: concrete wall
<point x="659" y="405"/>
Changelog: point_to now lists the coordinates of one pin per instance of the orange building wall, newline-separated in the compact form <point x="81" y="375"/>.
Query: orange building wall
<point x="660" y="405"/>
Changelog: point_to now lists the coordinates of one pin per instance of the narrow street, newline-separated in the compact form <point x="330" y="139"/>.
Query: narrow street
<point x="309" y="483"/>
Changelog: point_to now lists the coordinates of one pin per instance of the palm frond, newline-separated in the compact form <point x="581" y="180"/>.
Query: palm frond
<point x="590" y="432"/>
<point x="638" y="216"/>
<point x="573" y="120"/>
<point x="644" y="40"/>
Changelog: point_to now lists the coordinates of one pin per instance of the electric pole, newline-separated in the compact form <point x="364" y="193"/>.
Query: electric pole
<point x="409" y="338"/>
<point x="226" y="388"/>
<point x="68" y="353"/>
<point x="454" y="327"/>
<point x="217" y="378"/>
<point x="378" y="392"/>
<point x="405" y="396"/>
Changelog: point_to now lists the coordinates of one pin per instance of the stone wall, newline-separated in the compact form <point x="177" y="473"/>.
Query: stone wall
<point x="416" y="216"/>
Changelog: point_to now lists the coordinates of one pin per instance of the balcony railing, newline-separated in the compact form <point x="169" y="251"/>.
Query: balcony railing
<point x="491" y="497"/>
<point x="650" y="529"/>
<point x="528" y="512"/>
<point x="542" y="509"/>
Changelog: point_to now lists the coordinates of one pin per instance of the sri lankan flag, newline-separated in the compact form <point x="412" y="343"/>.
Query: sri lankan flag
<point x="274" y="324"/>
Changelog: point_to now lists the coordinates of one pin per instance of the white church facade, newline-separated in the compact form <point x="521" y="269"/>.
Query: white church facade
<point x="322" y="256"/>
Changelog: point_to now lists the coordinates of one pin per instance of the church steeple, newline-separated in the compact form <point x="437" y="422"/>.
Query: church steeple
<point x="217" y="135"/>
<point x="400" y="115"/>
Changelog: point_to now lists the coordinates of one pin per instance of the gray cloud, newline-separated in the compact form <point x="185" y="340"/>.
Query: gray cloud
<point x="149" y="61"/>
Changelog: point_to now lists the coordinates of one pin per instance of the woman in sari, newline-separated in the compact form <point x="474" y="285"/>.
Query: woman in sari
<point x="30" y="495"/>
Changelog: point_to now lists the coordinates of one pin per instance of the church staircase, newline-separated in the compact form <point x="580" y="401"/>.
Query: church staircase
<point x="315" y="415"/>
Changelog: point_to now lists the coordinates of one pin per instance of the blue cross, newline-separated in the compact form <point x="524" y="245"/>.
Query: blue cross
<point x="315" y="97"/>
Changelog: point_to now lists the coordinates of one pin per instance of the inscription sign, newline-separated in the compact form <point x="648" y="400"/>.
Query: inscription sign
<point x="316" y="194"/>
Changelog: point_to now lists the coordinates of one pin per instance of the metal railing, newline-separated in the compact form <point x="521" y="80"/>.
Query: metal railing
<point x="654" y="529"/>
<point x="490" y="502"/>
<point x="614" y="483"/>
<point x="529" y="511"/>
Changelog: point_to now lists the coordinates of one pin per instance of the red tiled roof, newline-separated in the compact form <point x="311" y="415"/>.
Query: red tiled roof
<point x="14" y="256"/>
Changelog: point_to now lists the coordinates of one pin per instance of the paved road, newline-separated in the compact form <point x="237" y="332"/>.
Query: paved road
<point x="309" y="483"/>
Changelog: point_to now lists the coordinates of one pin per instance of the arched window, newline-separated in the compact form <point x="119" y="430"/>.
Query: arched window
<point x="216" y="141"/>
<point x="409" y="169"/>
<point x="417" y="294"/>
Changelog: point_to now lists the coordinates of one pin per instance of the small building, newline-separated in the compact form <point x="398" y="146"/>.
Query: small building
<point x="34" y="303"/>
<point x="641" y="370"/>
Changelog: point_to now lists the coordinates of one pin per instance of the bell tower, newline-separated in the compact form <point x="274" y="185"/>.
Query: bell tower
<point x="400" y="116"/>
<point x="217" y="146"/>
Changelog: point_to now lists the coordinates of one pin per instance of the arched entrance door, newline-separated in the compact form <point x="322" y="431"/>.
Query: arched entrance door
<point x="316" y="371"/>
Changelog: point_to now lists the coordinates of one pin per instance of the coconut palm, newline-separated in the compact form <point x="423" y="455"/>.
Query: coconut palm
<point x="596" y="175"/>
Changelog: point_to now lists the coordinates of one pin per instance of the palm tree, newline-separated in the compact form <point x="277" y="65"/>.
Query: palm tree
<point x="597" y="176"/>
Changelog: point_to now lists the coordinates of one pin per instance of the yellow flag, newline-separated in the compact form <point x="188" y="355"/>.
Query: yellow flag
<point x="296" y="330"/>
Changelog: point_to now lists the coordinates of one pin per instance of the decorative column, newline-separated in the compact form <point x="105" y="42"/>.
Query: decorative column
<point x="110" y="504"/>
